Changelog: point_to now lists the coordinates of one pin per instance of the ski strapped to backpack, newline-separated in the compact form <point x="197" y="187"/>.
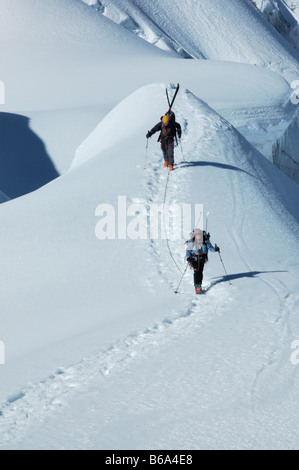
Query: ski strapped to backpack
<point x="174" y="97"/>
<point x="170" y="113"/>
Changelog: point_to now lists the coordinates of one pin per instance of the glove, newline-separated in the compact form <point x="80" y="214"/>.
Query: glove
<point x="179" y="134"/>
<point x="217" y="249"/>
<point x="149" y="134"/>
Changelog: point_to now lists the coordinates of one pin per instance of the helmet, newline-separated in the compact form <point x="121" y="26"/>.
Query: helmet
<point x="165" y="119"/>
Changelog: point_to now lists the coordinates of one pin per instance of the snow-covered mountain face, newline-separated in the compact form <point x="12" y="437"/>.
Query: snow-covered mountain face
<point x="284" y="16"/>
<point x="74" y="341"/>
<point x="294" y="6"/>
<point x="232" y="31"/>
<point x="216" y="30"/>
<point x="99" y="350"/>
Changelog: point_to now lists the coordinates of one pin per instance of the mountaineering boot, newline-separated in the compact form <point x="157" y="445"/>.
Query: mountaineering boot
<point x="170" y="168"/>
<point x="198" y="289"/>
<point x="166" y="164"/>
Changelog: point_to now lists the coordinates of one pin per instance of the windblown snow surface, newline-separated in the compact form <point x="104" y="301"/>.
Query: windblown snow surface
<point x="100" y="353"/>
<point x="283" y="15"/>
<point x="262" y="32"/>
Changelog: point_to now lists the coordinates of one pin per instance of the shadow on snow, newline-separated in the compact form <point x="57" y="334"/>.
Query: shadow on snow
<point x="222" y="166"/>
<point x="24" y="162"/>
<point x="232" y="277"/>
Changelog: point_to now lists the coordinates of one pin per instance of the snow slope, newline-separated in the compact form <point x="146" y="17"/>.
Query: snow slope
<point x="294" y="6"/>
<point x="146" y="368"/>
<point x="249" y="38"/>
<point x="282" y="15"/>
<point x="42" y="46"/>
<point x="61" y="66"/>
<point x="232" y="31"/>
<point x="256" y="104"/>
<point x="58" y="50"/>
<point x="100" y="352"/>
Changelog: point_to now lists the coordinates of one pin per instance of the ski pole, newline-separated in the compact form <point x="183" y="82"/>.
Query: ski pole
<point x="146" y="151"/>
<point x="224" y="268"/>
<point x="207" y="217"/>
<point x="182" y="150"/>
<point x="177" y="290"/>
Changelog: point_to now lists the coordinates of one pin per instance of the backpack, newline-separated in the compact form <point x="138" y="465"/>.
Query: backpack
<point x="167" y="130"/>
<point x="171" y="116"/>
<point x="205" y="239"/>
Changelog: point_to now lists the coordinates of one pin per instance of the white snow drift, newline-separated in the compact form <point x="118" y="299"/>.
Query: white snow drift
<point x="99" y="351"/>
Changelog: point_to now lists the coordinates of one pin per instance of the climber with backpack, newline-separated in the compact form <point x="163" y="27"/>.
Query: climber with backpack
<point x="168" y="128"/>
<point x="197" y="250"/>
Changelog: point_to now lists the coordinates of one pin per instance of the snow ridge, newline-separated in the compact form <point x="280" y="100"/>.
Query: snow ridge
<point x="103" y="353"/>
